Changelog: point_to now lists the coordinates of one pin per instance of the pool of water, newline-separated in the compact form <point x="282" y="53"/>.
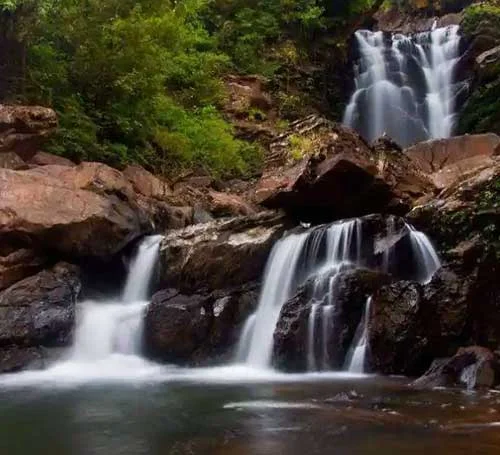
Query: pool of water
<point x="216" y="412"/>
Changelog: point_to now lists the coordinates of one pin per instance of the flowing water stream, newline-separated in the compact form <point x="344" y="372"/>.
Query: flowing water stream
<point x="321" y="253"/>
<point x="405" y="86"/>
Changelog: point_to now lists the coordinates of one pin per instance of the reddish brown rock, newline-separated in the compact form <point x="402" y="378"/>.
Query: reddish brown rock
<point x="17" y="265"/>
<point x="48" y="159"/>
<point x="226" y="204"/>
<point x="11" y="160"/>
<point x="322" y="171"/>
<point x="88" y="210"/>
<point x="448" y="160"/>
<point x="23" y="127"/>
<point x="146" y="183"/>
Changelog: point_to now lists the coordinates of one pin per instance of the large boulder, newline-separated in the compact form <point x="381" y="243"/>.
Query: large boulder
<point x="87" y="210"/>
<point x="326" y="172"/>
<point x="37" y="311"/>
<point x="411" y="324"/>
<point x="474" y="367"/>
<point x="219" y="254"/>
<point x="23" y="127"/>
<point x="448" y="160"/>
<point x="196" y="329"/>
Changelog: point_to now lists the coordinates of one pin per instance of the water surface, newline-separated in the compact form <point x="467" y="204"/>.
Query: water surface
<point x="217" y="413"/>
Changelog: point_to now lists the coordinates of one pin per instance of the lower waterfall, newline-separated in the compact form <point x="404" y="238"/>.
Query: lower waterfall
<point x="321" y="254"/>
<point x="107" y="339"/>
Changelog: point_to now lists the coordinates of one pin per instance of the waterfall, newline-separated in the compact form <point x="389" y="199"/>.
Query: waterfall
<point x="278" y="285"/>
<point x="321" y="254"/>
<point x="427" y="259"/>
<point x="292" y="261"/>
<point x="141" y="270"/>
<point x="357" y="361"/>
<point x="107" y="339"/>
<point x="107" y="328"/>
<point x="405" y="86"/>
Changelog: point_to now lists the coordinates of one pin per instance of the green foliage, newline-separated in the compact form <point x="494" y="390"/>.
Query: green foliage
<point x="251" y="31"/>
<point x="481" y="114"/>
<point x="484" y="15"/>
<point x="141" y="81"/>
<point x="133" y="82"/>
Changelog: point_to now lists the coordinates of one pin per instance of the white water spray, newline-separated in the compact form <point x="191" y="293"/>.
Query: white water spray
<point x="357" y="361"/>
<point x="405" y="86"/>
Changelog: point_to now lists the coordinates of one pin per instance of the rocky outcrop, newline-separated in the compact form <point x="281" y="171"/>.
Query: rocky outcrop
<point x="219" y="254"/>
<point x="37" y="311"/>
<point x="197" y="329"/>
<point x="448" y="160"/>
<point x="88" y="210"/>
<point x="474" y="367"/>
<point x="23" y="127"/>
<point x="467" y="208"/>
<point x="412" y="324"/>
<point x="323" y="171"/>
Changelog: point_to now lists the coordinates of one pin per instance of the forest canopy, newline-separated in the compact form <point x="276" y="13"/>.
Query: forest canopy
<point x="142" y="81"/>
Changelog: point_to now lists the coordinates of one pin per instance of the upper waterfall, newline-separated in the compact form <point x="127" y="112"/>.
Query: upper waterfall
<point x="405" y="86"/>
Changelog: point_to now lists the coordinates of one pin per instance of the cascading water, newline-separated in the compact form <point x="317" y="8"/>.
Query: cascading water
<point x="356" y="363"/>
<point x="108" y="336"/>
<point x="321" y="254"/>
<point x="405" y="86"/>
<point x="279" y="283"/>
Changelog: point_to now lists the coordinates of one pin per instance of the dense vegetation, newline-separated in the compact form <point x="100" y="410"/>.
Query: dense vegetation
<point x="482" y="111"/>
<point x="142" y="80"/>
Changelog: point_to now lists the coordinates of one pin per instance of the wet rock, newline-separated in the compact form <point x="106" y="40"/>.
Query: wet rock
<point x="412" y="324"/>
<point x="175" y="325"/>
<point x="328" y="172"/>
<point x="16" y="358"/>
<point x="197" y="329"/>
<point x="22" y="128"/>
<point x="397" y="339"/>
<point x="37" y="311"/>
<point x="351" y="291"/>
<point x="220" y="254"/>
<point x="474" y="367"/>
<point x="449" y="160"/>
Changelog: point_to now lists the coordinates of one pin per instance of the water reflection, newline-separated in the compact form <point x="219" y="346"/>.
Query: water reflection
<point x="371" y="416"/>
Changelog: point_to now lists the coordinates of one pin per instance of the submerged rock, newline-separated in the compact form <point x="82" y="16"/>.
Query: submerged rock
<point x="37" y="311"/>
